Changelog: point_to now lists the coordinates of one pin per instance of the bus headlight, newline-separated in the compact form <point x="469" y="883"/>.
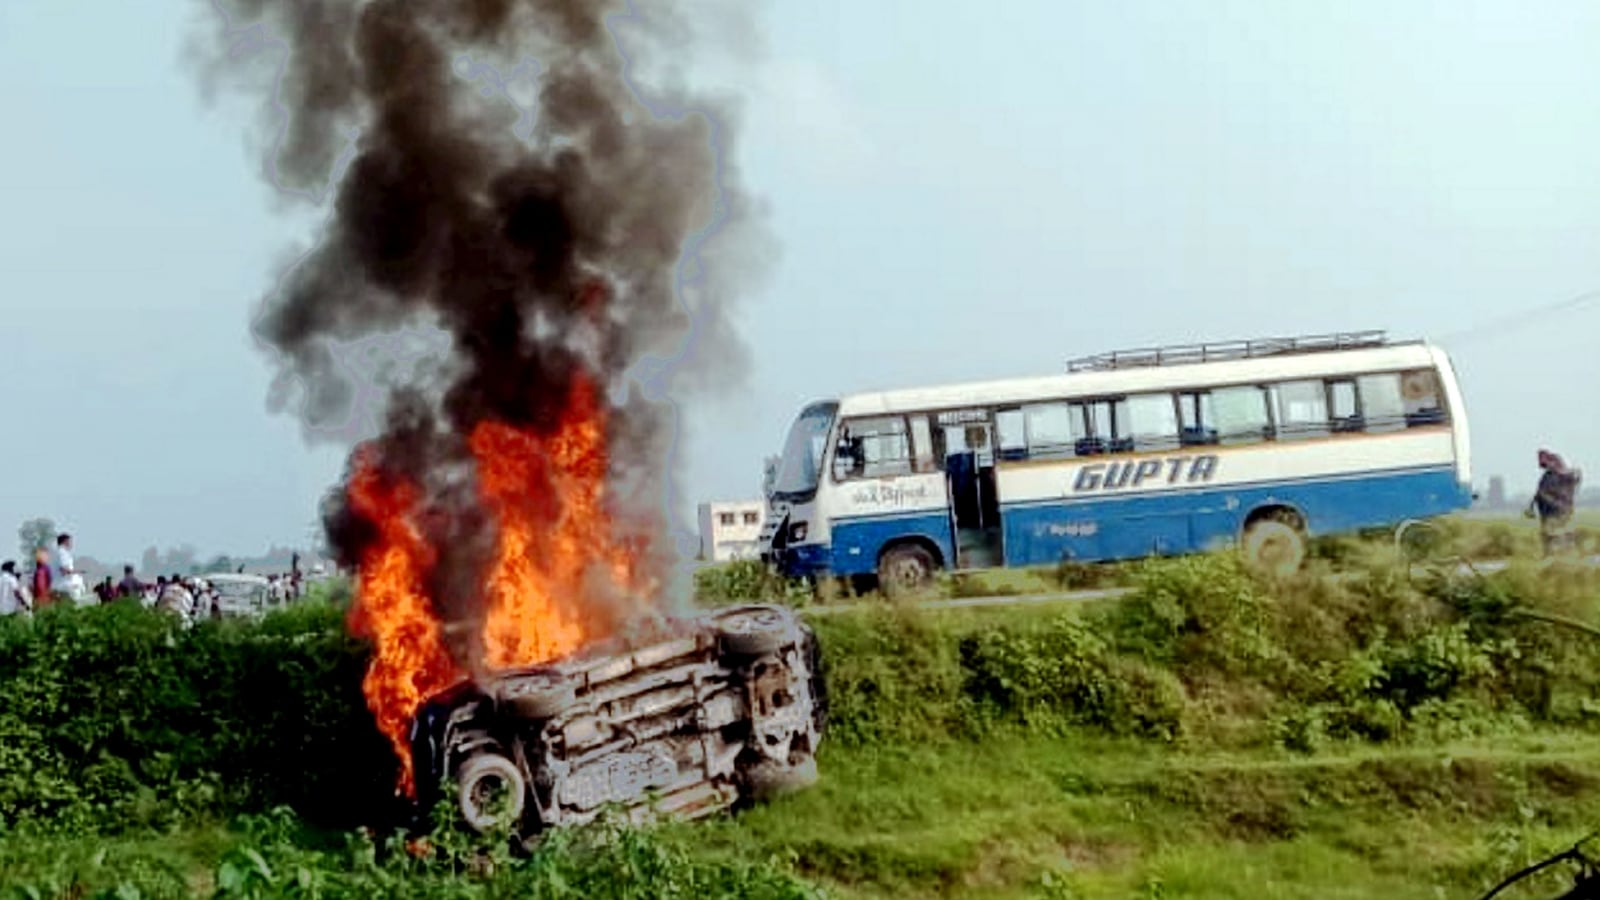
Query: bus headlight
<point x="797" y="532"/>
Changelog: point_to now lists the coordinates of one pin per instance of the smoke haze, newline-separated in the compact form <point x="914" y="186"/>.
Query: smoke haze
<point x="544" y="243"/>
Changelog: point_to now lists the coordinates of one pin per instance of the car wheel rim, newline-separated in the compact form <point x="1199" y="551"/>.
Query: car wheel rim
<point x="486" y="794"/>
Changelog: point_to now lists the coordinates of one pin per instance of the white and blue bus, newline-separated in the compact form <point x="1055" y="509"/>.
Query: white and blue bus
<point x="1258" y="444"/>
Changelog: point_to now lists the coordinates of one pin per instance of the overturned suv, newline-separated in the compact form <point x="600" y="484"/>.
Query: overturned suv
<point x="728" y="709"/>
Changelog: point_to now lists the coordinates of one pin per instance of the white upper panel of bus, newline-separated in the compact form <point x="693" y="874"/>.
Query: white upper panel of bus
<point x="1417" y="355"/>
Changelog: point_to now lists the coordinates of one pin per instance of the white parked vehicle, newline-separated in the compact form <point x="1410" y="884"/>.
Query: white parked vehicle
<point x="240" y="595"/>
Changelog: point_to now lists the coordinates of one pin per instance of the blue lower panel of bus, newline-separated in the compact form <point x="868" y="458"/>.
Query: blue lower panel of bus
<point x="858" y="541"/>
<point x="1123" y="527"/>
<point x="1126" y="527"/>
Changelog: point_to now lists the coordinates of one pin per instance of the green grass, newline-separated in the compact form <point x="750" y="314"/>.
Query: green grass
<point x="1025" y="816"/>
<point x="1005" y="817"/>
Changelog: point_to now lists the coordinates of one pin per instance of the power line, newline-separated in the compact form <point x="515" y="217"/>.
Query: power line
<point x="1505" y="324"/>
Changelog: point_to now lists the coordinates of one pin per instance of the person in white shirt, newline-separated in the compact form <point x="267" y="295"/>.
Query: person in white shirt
<point x="177" y="599"/>
<point x="13" y="599"/>
<point x="68" y="579"/>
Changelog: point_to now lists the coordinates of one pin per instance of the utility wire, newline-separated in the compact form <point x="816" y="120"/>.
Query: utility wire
<point x="1514" y="321"/>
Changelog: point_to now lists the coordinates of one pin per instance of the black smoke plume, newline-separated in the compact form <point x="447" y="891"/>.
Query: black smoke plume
<point x="542" y="257"/>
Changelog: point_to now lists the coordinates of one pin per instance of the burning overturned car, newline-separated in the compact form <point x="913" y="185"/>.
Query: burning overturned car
<point x="727" y="709"/>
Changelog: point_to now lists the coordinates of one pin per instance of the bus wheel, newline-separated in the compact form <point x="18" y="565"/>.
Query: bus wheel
<point x="1274" y="547"/>
<point x="905" y="569"/>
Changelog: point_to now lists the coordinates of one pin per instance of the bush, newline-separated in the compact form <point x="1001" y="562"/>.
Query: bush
<point x="1194" y="615"/>
<point x="116" y="716"/>
<point x="893" y="674"/>
<point x="1064" y="674"/>
<point x="746" y="581"/>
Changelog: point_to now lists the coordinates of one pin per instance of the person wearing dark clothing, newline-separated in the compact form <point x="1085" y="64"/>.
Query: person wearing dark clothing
<point x="1554" y="501"/>
<point x="130" y="585"/>
<point x="104" y="591"/>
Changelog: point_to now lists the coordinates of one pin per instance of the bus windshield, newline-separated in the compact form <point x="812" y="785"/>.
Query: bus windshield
<point x="802" y="451"/>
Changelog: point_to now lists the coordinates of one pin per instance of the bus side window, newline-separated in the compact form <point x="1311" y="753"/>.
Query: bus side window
<point x="1150" y="422"/>
<point x="1196" y="419"/>
<point x="1012" y="437"/>
<point x="873" y="448"/>
<point x="1091" y="428"/>
<point x="1420" y="391"/>
<point x="925" y="457"/>
<point x="1343" y="412"/>
<point x="1382" y="407"/>
<point x="1302" y="409"/>
<point x="1240" y="415"/>
<point x="1050" y="431"/>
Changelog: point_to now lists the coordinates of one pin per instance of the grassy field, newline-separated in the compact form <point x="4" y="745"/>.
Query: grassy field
<point x="1212" y="735"/>
<point x="1030" y="816"/>
<point x="1027" y="816"/>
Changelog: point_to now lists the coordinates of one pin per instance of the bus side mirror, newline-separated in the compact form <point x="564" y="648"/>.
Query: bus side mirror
<point x="769" y="476"/>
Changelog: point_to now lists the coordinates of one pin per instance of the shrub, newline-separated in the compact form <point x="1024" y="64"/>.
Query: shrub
<point x="115" y="716"/>
<point x="1195" y="615"/>
<point x="747" y="581"/>
<point x="1062" y="674"/>
<point x="893" y="674"/>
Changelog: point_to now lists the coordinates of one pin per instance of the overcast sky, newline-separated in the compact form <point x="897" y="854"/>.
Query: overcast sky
<point x="958" y="193"/>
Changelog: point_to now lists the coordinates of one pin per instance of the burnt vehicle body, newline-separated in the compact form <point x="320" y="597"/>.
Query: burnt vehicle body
<point x="728" y="709"/>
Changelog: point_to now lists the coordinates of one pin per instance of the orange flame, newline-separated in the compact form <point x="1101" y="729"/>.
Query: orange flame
<point x="556" y="548"/>
<point x="409" y="662"/>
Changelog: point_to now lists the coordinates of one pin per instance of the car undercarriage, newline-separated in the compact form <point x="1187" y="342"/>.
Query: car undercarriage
<point x="727" y="710"/>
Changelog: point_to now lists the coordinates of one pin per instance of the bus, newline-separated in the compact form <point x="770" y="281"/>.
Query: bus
<point x="1256" y="444"/>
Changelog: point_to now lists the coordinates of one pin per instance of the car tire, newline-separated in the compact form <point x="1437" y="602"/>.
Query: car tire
<point x="539" y="695"/>
<point x="769" y="779"/>
<point x="1274" y="547"/>
<point x="754" y="632"/>
<point x="480" y="780"/>
<point x="905" y="569"/>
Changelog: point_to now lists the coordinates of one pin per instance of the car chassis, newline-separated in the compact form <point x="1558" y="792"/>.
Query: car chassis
<point x="728" y="710"/>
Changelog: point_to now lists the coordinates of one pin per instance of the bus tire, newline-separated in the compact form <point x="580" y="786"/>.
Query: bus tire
<point x="905" y="569"/>
<point x="1274" y="546"/>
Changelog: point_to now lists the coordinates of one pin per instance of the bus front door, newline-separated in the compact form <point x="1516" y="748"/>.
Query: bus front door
<point x="974" y="502"/>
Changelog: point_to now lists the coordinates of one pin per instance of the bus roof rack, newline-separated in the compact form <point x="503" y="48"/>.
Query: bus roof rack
<point x="1184" y="354"/>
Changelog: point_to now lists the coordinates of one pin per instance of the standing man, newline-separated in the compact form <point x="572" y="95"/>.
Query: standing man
<point x="67" y="578"/>
<point x="130" y="585"/>
<point x="175" y="598"/>
<point x="1554" y="501"/>
<point x="12" y="599"/>
<point x="41" y="579"/>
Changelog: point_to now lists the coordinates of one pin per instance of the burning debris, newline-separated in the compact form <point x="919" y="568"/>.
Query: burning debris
<point x="511" y="509"/>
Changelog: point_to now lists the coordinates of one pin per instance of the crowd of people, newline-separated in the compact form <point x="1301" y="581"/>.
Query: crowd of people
<point x="57" y="579"/>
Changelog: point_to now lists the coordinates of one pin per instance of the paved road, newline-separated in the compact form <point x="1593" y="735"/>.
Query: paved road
<point x="1483" y="568"/>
